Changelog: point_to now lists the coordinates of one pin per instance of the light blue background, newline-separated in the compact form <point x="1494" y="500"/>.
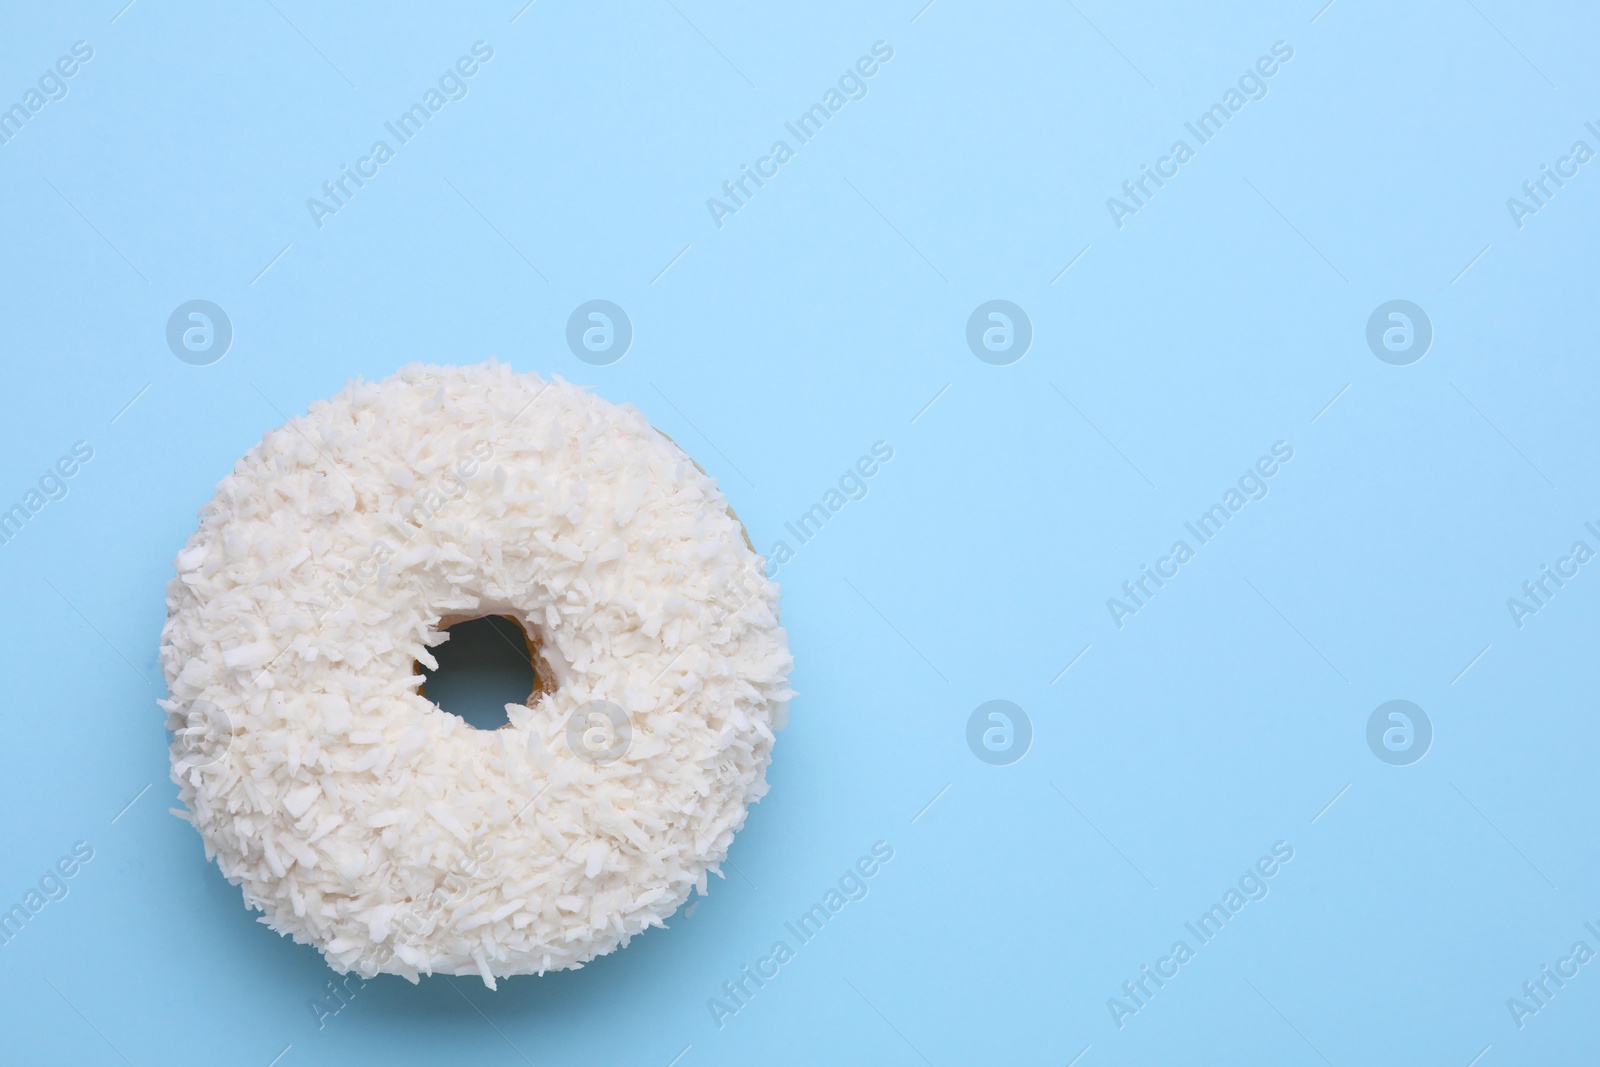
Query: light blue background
<point x="823" y="317"/>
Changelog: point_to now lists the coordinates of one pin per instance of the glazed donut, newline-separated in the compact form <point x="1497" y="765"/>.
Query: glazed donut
<point x="361" y="818"/>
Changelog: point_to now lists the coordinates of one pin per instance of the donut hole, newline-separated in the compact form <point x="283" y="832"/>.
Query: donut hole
<point x="488" y="662"/>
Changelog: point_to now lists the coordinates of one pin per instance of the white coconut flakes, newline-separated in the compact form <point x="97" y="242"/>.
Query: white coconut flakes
<point x="360" y="818"/>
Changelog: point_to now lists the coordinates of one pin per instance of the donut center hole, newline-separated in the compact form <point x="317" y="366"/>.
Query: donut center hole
<point x="488" y="662"/>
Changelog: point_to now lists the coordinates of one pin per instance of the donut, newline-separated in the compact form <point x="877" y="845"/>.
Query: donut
<point x="359" y="817"/>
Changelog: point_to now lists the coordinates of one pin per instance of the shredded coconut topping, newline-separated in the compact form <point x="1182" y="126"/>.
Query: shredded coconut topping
<point x="362" y="819"/>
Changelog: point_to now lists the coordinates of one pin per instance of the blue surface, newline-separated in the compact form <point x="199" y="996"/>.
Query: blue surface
<point x="1226" y="315"/>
